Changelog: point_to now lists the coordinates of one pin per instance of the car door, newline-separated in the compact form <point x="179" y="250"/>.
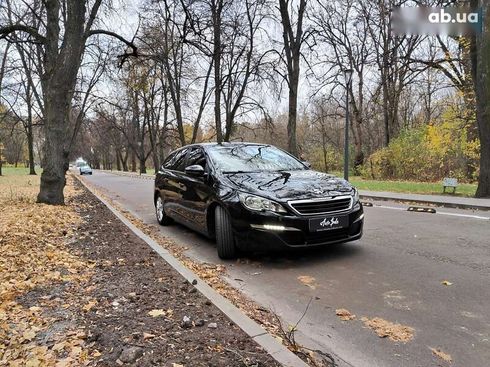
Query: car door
<point x="197" y="193"/>
<point x="171" y="183"/>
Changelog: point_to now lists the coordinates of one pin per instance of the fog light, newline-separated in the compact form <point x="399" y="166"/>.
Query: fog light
<point x="268" y="227"/>
<point x="273" y="227"/>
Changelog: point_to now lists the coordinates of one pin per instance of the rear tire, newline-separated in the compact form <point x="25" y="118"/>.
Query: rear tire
<point x="225" y="240"/>
<point x="162" y="218"/>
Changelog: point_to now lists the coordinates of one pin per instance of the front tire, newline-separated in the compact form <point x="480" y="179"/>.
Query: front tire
<point x="162" y="218"/>
<point x="225" y="240"/>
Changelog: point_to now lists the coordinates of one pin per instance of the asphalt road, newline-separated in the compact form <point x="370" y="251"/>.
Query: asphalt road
<point x="394" y="272"/>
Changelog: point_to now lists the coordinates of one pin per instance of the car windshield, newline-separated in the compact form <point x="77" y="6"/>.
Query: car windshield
<point x="251" y="158"/>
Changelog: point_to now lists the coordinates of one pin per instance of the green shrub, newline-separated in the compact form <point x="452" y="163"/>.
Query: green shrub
<point x="428" y="153"/>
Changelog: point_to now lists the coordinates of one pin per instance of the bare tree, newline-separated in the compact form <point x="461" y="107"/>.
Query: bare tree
<point x="293" y="38"/>
<point x="342" y="31"/>
<point x="62" y="39"/>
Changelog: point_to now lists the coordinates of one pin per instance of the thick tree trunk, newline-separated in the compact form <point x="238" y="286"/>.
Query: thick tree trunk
<point x="55" y="162"/>
<point x="480" y="57"/>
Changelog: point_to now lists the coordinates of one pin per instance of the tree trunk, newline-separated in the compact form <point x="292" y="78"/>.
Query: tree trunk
<point x="292" y="117"/>
<point x="142" y="165"/>
<point x="124" y="161"/>
<point x="133" y="161"/>
<point x="55" y="162"/>
<point x="480" y="57"/>
<point x="118" y="160"/>
<point x="216" y="10"/>
<point x="30" y="146"/>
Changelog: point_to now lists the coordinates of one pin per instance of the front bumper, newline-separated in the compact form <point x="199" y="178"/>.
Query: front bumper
<point x="263" y="230"/>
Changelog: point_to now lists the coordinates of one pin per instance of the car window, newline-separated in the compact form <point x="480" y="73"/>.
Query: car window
<point x="168" y="161"/>
<point x="250" y="158"/>
<point x="196" y="156"/>
<point x="175" y="161"/>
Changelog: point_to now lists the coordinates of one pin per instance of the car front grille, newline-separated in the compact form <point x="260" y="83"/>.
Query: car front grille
<point x="322" y="206"/>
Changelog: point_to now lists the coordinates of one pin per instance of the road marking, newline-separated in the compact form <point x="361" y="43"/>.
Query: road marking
<point x="442" y="213"/>
<point x="464" y="215"/>
<point x="390" y="207"/>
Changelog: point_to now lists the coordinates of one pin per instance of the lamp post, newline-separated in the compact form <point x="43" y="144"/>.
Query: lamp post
<point x="348" y="78"/>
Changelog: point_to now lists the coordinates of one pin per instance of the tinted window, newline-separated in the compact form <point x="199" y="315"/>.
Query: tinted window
<point x="176" y="161"/>
<point x="196" y="156"/>
<point x="168" y="162"/>
<point x="248" y="158"/>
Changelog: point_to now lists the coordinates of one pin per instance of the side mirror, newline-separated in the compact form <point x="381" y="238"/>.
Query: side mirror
<point x="196" y="170"/>
<point x="307" y="164"/>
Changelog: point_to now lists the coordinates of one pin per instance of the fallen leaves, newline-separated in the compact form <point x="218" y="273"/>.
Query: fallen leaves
<point x="344" y="314"/>
<point x="307" y="280"/>
<point x="384" y="328"/>
<point x="439" y="353"/>
<point x="34" y="255"/>
<point x="446" y="282"/>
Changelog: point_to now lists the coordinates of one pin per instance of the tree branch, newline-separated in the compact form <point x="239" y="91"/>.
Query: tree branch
<point x="5" y="31"/>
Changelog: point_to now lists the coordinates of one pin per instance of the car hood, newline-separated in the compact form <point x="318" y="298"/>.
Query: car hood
<point x="289" y="185"/>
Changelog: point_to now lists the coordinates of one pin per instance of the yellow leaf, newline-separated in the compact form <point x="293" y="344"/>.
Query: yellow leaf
<point x="89" y="306"/>
<point x="58" y="346"/>
<point x="29" y="334"/>
<point x="157" y="313"/>
<point x="33" y="362"/>
<point x="439" y="353"/>
<point x="446" y="282"/>
<point x="307" y="280"/>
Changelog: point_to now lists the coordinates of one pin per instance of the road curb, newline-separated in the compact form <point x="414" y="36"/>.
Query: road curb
<point x="129" y="174"/>
<point x="267" y="341"/>
<point x="426" y="202"/>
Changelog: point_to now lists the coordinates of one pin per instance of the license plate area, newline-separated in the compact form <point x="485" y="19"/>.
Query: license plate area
<point x="328" y="223"/>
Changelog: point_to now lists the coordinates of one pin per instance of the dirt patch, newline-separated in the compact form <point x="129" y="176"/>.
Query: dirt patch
<point x="383" y="328"/>
<point x="138" y="310"/>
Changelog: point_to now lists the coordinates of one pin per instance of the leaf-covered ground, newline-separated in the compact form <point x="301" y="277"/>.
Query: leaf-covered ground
<point x="78" y="288"/>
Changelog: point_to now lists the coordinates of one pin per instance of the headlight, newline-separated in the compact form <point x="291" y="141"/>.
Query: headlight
<point x="355" y="196"/>
<point x="258" y="203"/>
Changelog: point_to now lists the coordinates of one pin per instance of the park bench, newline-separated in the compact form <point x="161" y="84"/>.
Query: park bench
<point x="449" y="182"/>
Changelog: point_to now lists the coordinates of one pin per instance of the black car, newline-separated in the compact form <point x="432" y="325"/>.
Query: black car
<point x="255" y="197"/>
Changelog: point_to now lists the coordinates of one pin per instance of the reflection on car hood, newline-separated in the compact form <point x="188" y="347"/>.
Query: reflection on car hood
<point x="289" y="185"/>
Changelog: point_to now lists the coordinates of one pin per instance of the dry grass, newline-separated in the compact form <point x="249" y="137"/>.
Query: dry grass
<point x="18" y="188"/>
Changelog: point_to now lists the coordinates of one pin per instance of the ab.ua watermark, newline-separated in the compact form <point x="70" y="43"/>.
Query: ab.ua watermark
<point x="454" y="21"/>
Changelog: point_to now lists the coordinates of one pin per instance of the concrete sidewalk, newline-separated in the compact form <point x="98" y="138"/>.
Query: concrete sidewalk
<point x="439" y="200"/>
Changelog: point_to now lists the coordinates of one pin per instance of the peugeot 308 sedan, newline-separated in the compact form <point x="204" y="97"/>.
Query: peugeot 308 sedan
<point x="252" y="196"/>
